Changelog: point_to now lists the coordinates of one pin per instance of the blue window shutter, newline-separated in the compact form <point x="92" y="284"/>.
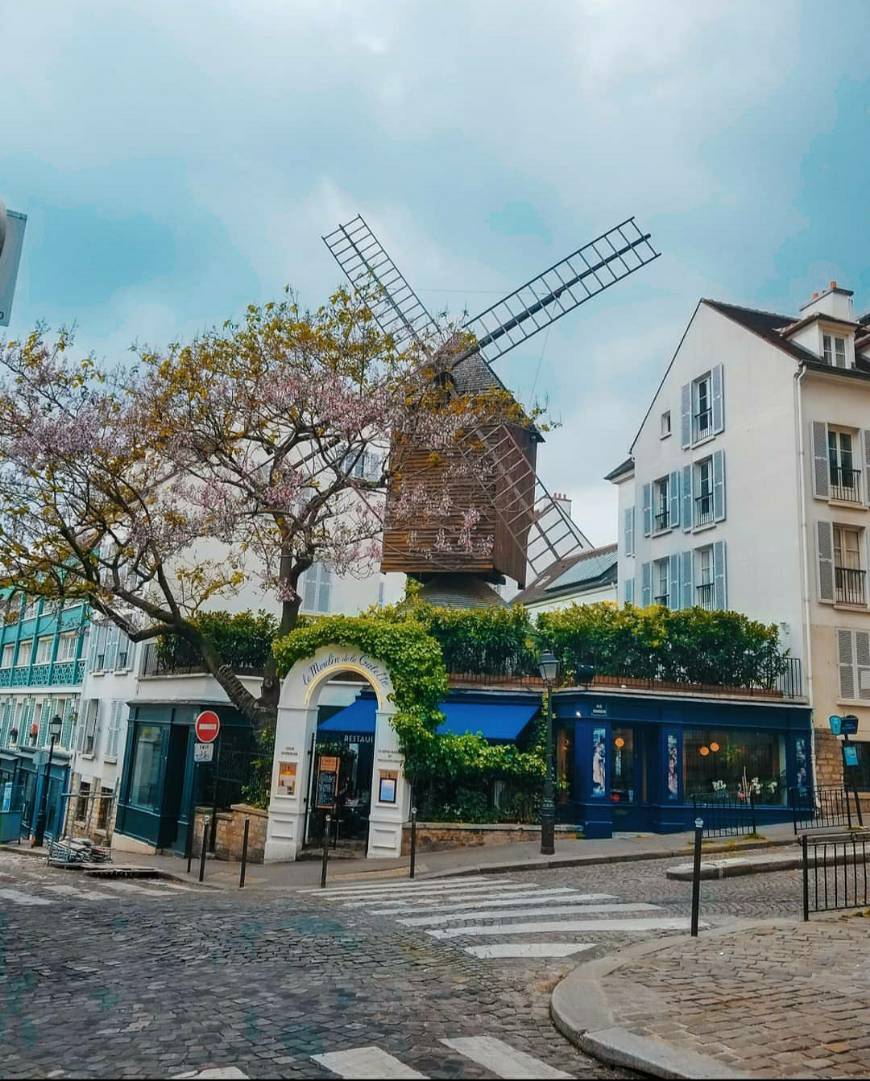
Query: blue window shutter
<point x="720" y="582"/>
<point x="686" y="415"/>
<point x="825" y="555"/>
<point x="821" y="467"/>
<point x="674" y="496"/>
<point x="674" y="591"/>
<point x="719" y="485"/>
<point x="718" y="398"/>
<point x="688" y="506"/>
<point x="629" y="531"/>
<point x="687" y="579"/>
<point x="629" y="591"/>
<point x="646" y="584"/>
<point x="647" y="509"/>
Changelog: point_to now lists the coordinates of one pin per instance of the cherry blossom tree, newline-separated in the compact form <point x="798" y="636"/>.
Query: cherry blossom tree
<point x="247" y="454"/>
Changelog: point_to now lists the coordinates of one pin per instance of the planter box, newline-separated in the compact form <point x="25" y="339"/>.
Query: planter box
<point x="440" y="836"/>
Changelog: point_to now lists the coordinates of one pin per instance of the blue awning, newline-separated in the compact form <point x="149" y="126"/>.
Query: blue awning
<point x="493" y="720"/>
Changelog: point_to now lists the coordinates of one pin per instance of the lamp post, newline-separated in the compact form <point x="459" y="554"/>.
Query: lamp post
<point x="548" y="666"/>
<point x="54" y="727"/>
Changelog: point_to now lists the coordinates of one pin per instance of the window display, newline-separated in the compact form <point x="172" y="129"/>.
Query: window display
<point x="720" y="762"/>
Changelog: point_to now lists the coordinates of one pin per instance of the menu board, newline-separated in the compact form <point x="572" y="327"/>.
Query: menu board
<point x="327" y="782"/>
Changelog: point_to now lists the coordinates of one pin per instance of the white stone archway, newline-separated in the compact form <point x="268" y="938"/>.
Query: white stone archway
<point x="293" y="763"/>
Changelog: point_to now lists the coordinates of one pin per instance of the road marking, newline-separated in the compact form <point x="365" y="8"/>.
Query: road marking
<point x="545" y="897"/>
<point x="365" y="1062"/>
<point x="575" y="908"/>
<point x="501" y="1059"/>
<point x="229" y="1073"/>
<point x="564" y="925"/>
<point x="19" y="898"/>
<point x="406" y="885"/>
<point x="85" y="895"/>
<point x="430" y="898"/>
<point x="131" y="887"/>
<point x="528" y="949"/>
<point x="176" y="886"/>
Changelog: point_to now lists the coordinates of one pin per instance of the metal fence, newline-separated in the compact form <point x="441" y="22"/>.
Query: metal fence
<point x="834" y="873"/>
<point x="826" y="807"/>
<point x="726" y="815"/>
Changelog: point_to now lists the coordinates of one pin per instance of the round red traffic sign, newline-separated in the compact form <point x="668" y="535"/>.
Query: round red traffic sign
<point x="207" y="725"/>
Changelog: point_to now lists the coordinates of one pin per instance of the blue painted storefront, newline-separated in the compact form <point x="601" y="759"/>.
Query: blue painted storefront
<point x="26" y="775"/>
<point x="631" y="762"/>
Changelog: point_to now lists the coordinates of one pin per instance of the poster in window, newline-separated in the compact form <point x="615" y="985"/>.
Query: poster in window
<point x="801" y="766"/>
<point x="673" y="776"/>
<point x="327" y="782"/>
<point x="599" y="762"/>
<point x="387" y="786"/>
<point x="286" y="778"/>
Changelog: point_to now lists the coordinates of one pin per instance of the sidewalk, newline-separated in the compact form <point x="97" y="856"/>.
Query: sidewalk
<point x="483" y="859"/>
<point x="773" y="999"/>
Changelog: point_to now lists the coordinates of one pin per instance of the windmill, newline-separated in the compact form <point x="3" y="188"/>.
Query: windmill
<point x="515" y="526"/>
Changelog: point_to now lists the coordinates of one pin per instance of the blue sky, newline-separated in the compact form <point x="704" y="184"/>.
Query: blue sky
<point x="177" y="161"/>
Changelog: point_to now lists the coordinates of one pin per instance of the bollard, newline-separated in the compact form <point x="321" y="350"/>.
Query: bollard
<point x="326" y="826"/>
<point x="244" y="866"/>
<point x="203" y="851"/>
<point x="191" y="826"/>
<point x="413" y="841"/>
<point x="805" y="868"/>
<point x="696" y="876"/>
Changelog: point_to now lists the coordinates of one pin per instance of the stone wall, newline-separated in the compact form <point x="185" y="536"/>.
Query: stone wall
<point x="440" y="836"/>
<point x="829" y="758"/>
<point x="230" y="832"/>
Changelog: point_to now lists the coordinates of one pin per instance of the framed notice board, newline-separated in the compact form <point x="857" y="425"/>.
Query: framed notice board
<point x="327" y="782"/>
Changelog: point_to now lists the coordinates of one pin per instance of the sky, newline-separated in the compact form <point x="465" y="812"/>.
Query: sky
<point x="179" y="161"/>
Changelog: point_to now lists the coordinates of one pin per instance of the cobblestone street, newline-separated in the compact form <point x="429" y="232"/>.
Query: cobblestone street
<point x="148" y="979"/>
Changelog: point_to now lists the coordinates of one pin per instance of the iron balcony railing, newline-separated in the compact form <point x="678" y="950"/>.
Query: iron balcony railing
<point x="702" y="423"/>
<point x="704" y="509"/>
<point x="661" y="521"/>
<point x="851" y="587"/>
<point x="845" y="484"/>
<point x="704" y="595"/>
<point x="156" y="664"/>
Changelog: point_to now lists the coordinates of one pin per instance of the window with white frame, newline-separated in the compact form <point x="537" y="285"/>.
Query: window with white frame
<point x="704" y="582"/>
<point x="845" y="478"/>
<point x="834" y="350"/>
<point x="124" y="659"/>
<point x="661" y="504"/>
<point x="90" y="726"/>
<point x="8" y="655"/>
<point x="702" y="408"/>
<point x="666" y="424"/>
<point x="66" y="647"/>
<point x="316" y="588"/>
<point x="849" y="572"/>
<point x="43" y="650"/>
<point x="119" y="709"/>
<point x="30" y="609"/>
<point x="703" y="487"/>
<point x="24" y="648"/>
<point x="661" y="591"/>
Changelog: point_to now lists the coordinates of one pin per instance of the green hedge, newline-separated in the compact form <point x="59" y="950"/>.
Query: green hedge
<point x="243" y="639"/>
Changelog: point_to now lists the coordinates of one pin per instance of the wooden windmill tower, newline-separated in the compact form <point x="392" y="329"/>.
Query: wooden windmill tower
<point x="516" y="527"/>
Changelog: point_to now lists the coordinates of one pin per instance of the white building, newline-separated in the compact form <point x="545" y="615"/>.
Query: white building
<point x="748" y="488"/>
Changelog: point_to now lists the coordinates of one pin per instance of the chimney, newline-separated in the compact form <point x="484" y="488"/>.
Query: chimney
<point x="834" y="302"/>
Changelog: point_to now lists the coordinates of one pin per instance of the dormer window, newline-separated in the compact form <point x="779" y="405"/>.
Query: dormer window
<point x="834" y="350"/>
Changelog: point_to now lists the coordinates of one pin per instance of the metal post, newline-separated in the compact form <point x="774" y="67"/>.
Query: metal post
<point x="244" y="866"/>
<point x="217" y="771"/>
<point x="326" y="826"/>
<point x="696" y="876"/>
<point x="413" y="842"/>
<point x="806" y="878"/>
<point x="752" y="811"/>
<point x="191" y="815"/>
<point x="203" y="850"/>
<point x="39" y="830"/>
<point x="858" y="810"/>
<point x="548" y="803"/>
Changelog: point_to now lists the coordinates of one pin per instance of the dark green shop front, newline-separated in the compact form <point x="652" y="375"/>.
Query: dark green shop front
<point x="161" y="783"/>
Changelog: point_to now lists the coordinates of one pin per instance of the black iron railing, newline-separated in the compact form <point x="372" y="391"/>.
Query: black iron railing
<point x="727" y="815"/>
<point x="825" y="807"/>
<point x="661" y="521"/>
<point x="156" y="664"/>
<point x="703" y="423"/>
<point x="703" y="509"/>
<point x="851" y="585"/>
<point x="662" y="599"/>
<point x="845" y="484"/>
<point x="704" y="595"/>
<point x="834" y="873"/>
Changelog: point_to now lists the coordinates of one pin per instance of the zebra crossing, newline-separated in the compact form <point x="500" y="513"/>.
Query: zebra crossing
<point x="525" y="919"/>
<point x="36" y="893"/>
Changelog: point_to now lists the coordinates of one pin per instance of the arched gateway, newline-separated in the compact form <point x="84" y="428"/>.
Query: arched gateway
<point x="292" y="763"/>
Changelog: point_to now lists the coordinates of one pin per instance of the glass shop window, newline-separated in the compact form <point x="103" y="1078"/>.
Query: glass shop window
<point x="564" y="765"/>
<point x="718" y="762"/>
<point x="622" y="777"/>
<point x="145" y="774"/>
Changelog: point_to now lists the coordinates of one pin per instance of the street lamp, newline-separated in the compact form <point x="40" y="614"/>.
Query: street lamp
<point x="548" y="666"/>
<point x="54" y="727"/>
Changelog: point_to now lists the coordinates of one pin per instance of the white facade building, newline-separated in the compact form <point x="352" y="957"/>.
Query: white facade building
<point x="588" y="577"/>
<point x="748" y="488"/>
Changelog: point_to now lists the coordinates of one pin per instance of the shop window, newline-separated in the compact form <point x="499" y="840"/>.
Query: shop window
<point x="718" y="762"/>
<point x="622" y="773"/>
<point x="564" y="765"/>
<point x="104" y="805"/>
<point x="145" y="772"/>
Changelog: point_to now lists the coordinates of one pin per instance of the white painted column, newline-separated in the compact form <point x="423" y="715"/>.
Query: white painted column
<point x="387" y="816"/>
<point x="293" y="734"/>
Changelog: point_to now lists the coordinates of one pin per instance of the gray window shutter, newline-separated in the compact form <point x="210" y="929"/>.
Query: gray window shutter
<point x="646" y="584"/>
<point x="821" y="469"/>
<point x="862" y="663"/>
<point x="93" y="638"/>
<point x="846" y="660"/>
<point x="111" y="647"/>
<point x="629" y="531"/>
<point x="686" y="415"/>
<point x="717" y="380"/>
<point x="688" y="505"/>
<point x="687" y="579"/>
<point x="825" y="556"/>
<point x="719" y="485"/>
<point x="720" y="582"/>
<point x="674" y="499"/>
<point x="674" y="591"/>
<point x="866" y="439"/>
<point x="629" y="591"/>
<point x="647" y="509"/>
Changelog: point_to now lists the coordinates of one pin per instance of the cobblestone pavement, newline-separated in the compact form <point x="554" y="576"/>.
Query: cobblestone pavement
<point x="100" y="981"/>
<point x="789" y="1001"/>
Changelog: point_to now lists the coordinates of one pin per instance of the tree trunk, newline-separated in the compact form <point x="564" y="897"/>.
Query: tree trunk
<point x="270" y="690"/>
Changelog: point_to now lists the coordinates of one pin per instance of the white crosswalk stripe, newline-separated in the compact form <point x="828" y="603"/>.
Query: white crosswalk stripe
<point x="528" y="949"/>
<point x="574" y="908"/>
<point x="84" y="895"/>
<point x="126" y="886"/>
<point x="542" y="897"/>
<point x="365" y="1062"/>
<point x="406" y="888"/>
<point x="18" y="897"/>
<point x="502" y="1059"/>
<point x="563" y="926"/>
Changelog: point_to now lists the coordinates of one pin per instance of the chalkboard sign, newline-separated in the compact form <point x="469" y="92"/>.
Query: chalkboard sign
<point x="327" y="782"/>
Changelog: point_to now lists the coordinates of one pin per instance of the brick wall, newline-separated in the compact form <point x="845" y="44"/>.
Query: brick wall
<point x="829" y="758"/>
<point x="440" y="836"/>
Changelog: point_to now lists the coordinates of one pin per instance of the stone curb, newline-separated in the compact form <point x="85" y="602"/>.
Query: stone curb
<point x="580" y="1011"/>
<point x="732" y="868"/>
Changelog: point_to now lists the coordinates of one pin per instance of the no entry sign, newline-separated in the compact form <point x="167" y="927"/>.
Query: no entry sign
<point x="207" y="725"/>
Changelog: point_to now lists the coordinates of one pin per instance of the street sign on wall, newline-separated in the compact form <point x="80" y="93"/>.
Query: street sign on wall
<point x="207" y="726"/>
<point x="12" y="240"/>
<point x="203" y="752"/>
